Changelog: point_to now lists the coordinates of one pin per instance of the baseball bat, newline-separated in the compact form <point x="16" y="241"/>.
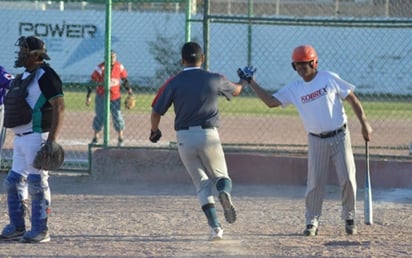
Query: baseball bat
<point x="368" y="209"/>
<point x="2" y="140"/>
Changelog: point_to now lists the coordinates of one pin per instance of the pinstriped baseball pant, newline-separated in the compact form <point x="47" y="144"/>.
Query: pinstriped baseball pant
<point x="338" y="150"/>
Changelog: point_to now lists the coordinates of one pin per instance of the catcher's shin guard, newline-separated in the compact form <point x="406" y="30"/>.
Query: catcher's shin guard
<point x="16" y="187"/>
<point x="40" y="194"/>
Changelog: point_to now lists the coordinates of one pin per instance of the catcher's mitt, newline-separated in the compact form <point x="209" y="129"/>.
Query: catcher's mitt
<point x="130" y="101"/>
<point x="49" y="157"/>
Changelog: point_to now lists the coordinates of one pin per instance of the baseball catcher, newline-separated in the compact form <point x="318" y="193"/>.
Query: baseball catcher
<point x="49" y="157"/>
<point x="130" y="101"/>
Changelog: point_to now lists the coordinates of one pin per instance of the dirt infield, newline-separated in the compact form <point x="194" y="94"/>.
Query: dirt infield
<point x="97" y="218"/>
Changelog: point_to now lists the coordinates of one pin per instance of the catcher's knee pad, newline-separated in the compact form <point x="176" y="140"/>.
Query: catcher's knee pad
<point x="38" y="186"/>
<point x="13" y="181"/>
<point x="16" y="187"/>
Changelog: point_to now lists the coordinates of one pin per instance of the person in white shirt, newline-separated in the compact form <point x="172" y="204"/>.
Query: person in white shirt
<point x="318" y="97"/>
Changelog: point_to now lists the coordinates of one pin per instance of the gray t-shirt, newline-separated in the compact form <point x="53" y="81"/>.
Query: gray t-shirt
<point x="194" y="94"/>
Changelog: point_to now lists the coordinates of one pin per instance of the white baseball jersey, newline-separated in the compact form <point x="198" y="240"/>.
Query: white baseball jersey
<point x="319" y="101"/>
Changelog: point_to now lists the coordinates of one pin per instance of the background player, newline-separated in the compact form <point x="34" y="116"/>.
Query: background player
<point x="118" y="73"/>
<point x="318" y="98"/>
<point x="5" y="79"/>
<point x="194" y="94"/>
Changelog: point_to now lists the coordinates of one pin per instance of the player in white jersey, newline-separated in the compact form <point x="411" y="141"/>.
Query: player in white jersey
<point x="34" y="112"/>
<point x="319" y="96"/>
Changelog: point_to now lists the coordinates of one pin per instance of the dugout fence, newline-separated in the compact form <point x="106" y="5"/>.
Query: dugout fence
<point x="366" y="42"/>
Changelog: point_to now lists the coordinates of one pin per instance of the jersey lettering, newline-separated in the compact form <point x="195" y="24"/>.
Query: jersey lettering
<point x="314" y="95"/>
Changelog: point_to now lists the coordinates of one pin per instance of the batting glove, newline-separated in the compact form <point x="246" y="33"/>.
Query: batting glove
<point x="247" y="73"/>
<point x="155" y="135"/>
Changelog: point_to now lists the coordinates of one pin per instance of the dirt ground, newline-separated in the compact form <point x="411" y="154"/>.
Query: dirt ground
<point x="101" y="219"/>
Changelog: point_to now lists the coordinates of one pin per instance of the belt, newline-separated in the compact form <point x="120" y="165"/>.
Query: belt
<point x="21" y="134"/>
<point x="203" y="127"/>
<point x="331" y="133"/>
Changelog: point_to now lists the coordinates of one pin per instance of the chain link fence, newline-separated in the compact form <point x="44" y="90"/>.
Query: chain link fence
<point x="366" y="42"/>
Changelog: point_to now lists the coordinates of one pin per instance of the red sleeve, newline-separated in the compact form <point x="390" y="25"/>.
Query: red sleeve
<point x="160" y="91"/>
<point x="123" y="72"/>
<point x="97" y="74"/>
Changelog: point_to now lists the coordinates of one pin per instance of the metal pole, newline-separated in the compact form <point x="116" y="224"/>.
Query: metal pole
<point x="107" y="72"/>
<point x="206" y="35"/>
<point x="188" y="17"/>
<point x="249" y="34"/>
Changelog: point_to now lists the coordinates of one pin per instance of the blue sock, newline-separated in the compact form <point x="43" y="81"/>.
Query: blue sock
<point x="224" y="184"/>
<point x="210" y="212"/>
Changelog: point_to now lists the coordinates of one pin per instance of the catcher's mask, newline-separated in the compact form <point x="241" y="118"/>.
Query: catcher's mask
<point x="28" y="46"/>
<point x="305" y="54"/>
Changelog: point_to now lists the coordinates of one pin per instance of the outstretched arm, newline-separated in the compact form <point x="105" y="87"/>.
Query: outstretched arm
<point x="267" y="98"/>
<point x="247" y="75"/>
<point x="360" y="113"/>
<point x="239" y="87"/>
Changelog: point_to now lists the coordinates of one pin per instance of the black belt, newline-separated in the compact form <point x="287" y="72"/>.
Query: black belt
<point x="203" y="127"/>
<point x="331" y="133"/>
<point x="21" y="134"/>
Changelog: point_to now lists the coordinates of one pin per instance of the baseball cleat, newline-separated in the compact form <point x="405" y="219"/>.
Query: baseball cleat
<point x="311" y="230"/>
<point x="228" y="208"/>
<point x="36" y="237"/>
<point x="216" y="234"/>
<point x="350" y="227"/>
<point x="11" y="233"/>
<point x="94" y="140"/>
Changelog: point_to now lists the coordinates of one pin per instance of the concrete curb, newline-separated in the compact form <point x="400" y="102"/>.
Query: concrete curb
<point x="162" y="166"/>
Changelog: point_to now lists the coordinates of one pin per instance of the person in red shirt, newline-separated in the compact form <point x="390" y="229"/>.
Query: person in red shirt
<point x="118" y="74"/>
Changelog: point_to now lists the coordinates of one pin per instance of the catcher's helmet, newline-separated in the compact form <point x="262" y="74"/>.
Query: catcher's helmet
<point x="305" y="53"/>
<point x="27" y="46"/>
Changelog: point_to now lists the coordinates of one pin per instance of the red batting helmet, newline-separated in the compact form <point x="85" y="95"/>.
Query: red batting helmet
<point x="305" y="53"/>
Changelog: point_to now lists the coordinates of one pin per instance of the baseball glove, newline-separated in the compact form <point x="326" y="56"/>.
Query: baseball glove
<point x="49" y="157"/>
<point x="130" y="101"/>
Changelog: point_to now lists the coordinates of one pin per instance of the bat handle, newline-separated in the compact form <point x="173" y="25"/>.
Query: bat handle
<point x="367" y="154"/>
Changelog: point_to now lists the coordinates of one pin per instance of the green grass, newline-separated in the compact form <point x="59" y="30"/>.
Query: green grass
<point x="251" y="105"/>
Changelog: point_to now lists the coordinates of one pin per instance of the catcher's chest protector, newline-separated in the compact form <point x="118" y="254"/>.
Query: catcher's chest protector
<point x="16" y="109"/>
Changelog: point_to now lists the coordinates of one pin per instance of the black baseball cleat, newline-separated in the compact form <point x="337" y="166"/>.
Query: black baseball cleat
<point x="36" y="237"/>
<point x="228" y="208"/>
<point x="120" y="142"/>
<point x="11" y="233"/>
<point x="310" y="230"/>
<point x="94" y="140"/>
<point x="350" y="227"/>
